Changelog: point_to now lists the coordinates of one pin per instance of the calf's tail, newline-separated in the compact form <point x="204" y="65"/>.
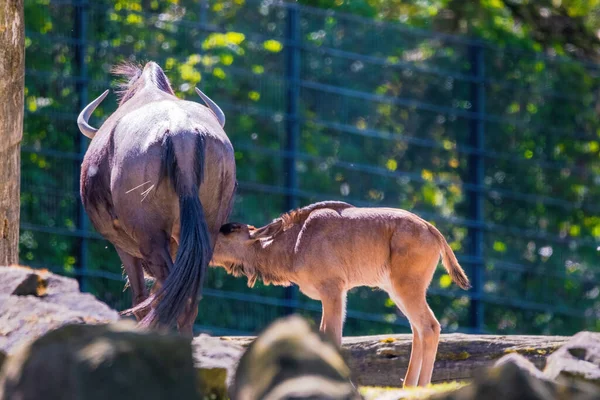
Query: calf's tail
<point x="449" y="260"/>
<point x="184" y="282"/>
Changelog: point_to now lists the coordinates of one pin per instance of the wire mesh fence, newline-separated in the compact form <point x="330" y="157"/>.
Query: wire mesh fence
<point x="497" y="147"/>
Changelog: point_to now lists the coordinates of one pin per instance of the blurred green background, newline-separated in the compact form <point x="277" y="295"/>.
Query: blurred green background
<point x="480" y="116"/>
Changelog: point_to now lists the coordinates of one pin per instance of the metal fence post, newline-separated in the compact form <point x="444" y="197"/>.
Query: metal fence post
<point x="476" y="178"/>
<point x="203" y="17"/>
<point x="81" y="143"/>
<point x="292" y="76"/>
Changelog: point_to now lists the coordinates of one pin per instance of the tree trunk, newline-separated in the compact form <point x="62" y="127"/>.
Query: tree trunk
<point x="12" y="75"/>
<point x="382" y="360"/>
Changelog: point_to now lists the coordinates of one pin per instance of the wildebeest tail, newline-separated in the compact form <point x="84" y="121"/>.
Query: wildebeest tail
<point x="449" y="260"/>
<point x="185" y="281"/>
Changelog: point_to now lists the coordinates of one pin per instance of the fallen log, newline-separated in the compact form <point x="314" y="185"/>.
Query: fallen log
<point x="382" y="360"/>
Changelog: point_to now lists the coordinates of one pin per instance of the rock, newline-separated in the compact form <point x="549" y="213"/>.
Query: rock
<point x="217" y="353"/>
<point x="577" y="360"/>
<point x="43" y="301"/>
<point x="19" y="281"/>
<point x="509" y="381"/>
<point x="32" y="285"/>
<point x="290" y="360"/>
<point x="522" y="363"/>
<point x="77" y="362"/>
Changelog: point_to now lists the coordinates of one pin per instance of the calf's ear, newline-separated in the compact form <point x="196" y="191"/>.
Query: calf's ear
<point x="267" y="231"/>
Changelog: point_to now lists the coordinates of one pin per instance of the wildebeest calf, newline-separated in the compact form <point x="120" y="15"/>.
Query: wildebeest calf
<point x="330" y="247"/>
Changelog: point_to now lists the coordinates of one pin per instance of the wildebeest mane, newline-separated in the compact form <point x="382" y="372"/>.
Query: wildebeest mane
<point x="297" y="216"/>
<point x="131" y="74"/>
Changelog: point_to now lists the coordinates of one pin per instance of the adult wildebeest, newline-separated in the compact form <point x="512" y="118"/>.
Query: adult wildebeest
<point x="331" y="247"/>
<point x="158" y="181"/>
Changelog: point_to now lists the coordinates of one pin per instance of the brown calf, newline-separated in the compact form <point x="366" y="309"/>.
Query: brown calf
<point x="329" y="248"/>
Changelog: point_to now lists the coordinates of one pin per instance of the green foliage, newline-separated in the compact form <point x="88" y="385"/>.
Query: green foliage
<point x="397" y="136"/>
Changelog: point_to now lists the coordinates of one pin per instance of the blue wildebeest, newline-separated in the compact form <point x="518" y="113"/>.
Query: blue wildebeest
<point x="157" y="181"/>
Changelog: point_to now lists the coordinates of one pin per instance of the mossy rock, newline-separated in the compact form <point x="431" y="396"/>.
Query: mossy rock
<point x="452" y="356"/>
<point x="213" y="383"/>
<point x="97" y="362"/>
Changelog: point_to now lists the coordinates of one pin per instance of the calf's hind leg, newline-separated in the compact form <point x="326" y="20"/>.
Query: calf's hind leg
<point x="426" y="331"/>
<point x="430" y="329"/>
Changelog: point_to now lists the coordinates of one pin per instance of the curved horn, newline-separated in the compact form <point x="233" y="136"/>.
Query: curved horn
<point x="213" y="106"/>
<point x="84" y="116"/>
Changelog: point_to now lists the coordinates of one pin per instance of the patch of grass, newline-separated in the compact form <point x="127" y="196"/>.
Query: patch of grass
<point x="414" y="393"/>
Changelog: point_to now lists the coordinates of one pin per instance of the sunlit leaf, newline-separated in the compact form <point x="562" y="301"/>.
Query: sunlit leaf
<point x="273" y="46"/>
<point x="445" y="281"/>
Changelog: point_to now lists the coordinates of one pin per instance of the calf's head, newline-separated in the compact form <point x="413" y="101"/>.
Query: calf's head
<point x="239" y="248"/>
<point x="233" y="247"/>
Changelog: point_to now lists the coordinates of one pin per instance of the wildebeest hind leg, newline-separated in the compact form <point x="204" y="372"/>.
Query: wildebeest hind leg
<point x="185" y="323"/>
<point x="158" y="263"/>
<point x="158" y="259"/>
<point x="135" y="276"/>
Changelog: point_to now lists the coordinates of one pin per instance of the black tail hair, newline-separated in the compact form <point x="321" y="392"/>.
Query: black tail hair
<point x="195" y="250"/>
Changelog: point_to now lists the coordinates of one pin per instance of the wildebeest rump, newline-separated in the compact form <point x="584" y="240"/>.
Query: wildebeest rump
<point x="158" y="181"/>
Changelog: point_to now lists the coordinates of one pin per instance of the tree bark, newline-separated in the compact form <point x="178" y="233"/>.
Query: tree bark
<point x="12" y="73"/>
